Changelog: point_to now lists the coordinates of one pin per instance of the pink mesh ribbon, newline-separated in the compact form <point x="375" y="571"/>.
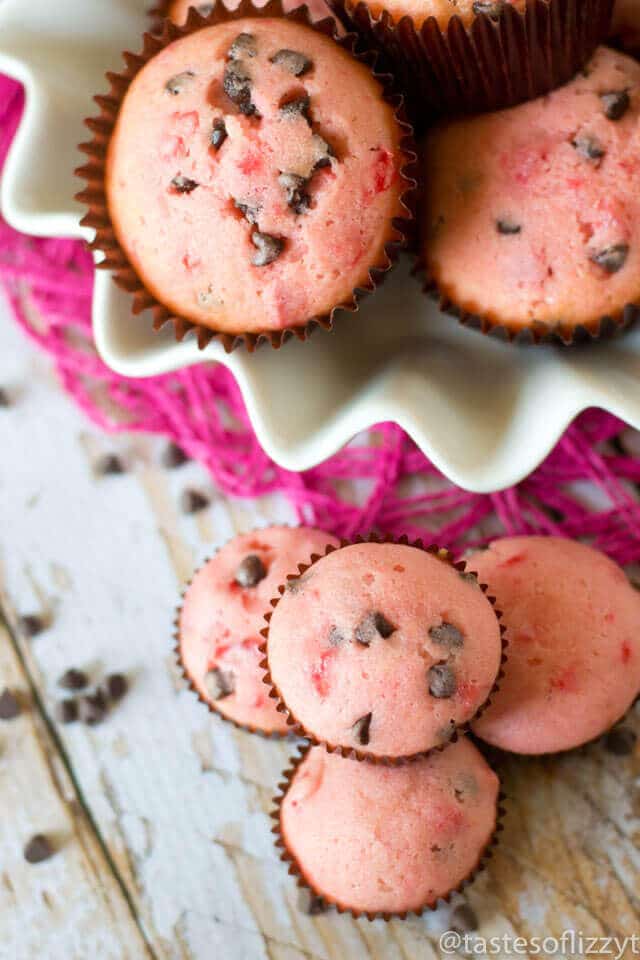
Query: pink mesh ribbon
<point x="201" y="410"/>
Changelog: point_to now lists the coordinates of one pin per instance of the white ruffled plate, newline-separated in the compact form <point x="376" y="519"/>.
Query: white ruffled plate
<point x="485" y="412"/>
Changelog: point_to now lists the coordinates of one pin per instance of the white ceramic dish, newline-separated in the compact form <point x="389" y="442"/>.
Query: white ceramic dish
<point x="486" y="413"/>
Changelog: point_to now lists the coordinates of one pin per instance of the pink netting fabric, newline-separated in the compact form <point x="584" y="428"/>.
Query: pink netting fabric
<point x="201" y="410"/>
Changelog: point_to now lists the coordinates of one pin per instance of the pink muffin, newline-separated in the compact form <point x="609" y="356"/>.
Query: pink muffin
<point x="383" y="650"/>
<point x="253" y="179"/>
<point x="388" y="840"/>
<point x="532" y="215"/>
<point x="178" y="9"/>
<point x="572" y="623"/>
<point x="221" y="616"/>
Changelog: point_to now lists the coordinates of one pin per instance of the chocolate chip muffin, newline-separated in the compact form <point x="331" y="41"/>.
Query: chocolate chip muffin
<point x="531" y="216"/>
<point x="254" y="178"/>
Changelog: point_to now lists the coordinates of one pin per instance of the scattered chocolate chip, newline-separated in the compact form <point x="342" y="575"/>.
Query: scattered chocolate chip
<point x="361" y="729"/>
<point x="612" y="258"/>
<point x="294" y="188"/>
<point x="219" y="683"/>
<point x="66" y="711"/>
<point x="620" y="741"/>
<point x="250" y="571"/>
<point x="237" y="86"/>
<point x="173" y="456"/>
<point x="269" y="248"/>
<point x="218" y="133"/>
<point x="322" y="152"/>
<point x="310" y="904"/>
<point x="244" y="45"/>
<point x="442" y="681"/>
<point x="588" y="147"/>
<point x="31" y="624"/>
<point x="296" y="63"/>
<point x="116" y="685"/>
<point x="447" y="635"/>
<point x="298" y="107"/>
<point x="615" y="103"/>
<point x="38" y="849"/>
<point x="92" y="708"/>
<point x="109" y="465"/>
<point x="374" y="625"/>
<point x="73" y="679"/>
<point x="192" y="501"/>
<point x="176" y="84"/>
<point x="5" y="400"/>
<point x="9" y="705"/>
<point x="336" y="637"/>
<point x="490" y="8"/>
<point x="181" y="184"/>
<point x="248" y="211"/>
<point x="463" y="919"/>
<point x="508" y="227"/>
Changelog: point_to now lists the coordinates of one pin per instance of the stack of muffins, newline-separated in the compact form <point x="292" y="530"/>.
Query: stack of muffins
<point x="255" y="171"/>
<point x="399" y="667"/>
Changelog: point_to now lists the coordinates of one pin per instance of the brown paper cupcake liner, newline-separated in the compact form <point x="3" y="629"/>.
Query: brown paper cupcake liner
<point x="352" y="752"/>
<point x="94" y="173"/>
<point x="495" y="62"/>
<point x="249" y="728"/>
<point x="302" y="881"/>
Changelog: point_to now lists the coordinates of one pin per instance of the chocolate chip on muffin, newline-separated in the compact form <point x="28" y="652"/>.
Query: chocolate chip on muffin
<point x="181" y="184"/>
<point x="442" y="681"/>
<point x="218" y="133"/>
<point x="447" y="635"/>
<point x="293" y="61"/>
<point x="615" y="103"/>
<point x="296" y="107"/>
<point x="374" y="625"/>
<point x="336" y="637"/>
<point x="219" y="683"/>
<point x="249" y="211"/>
<point x="177" y="84"/>
<point x="244" y="45"/>
<point x="507" y="227"/>
<point x="361" y="729"/>
<point x="251" y="571"/>
<point x="588" y="147"/>
<point x="269" y="248"/>
<point x="296" y="195"/>
<point x="322" y="151"/>
<point x="613" y="258"/>
<point x="237" y="85"/>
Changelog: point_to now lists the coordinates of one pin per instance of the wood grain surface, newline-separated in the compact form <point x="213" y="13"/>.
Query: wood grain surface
<point x="160" y="814"/>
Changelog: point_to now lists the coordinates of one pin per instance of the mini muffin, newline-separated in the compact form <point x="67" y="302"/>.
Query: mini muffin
<point x="625" y="27"/>
<point x="253" y="179"/>
<point x="574" y="645"/>
<point x="532" y="215"/>
<point x="178" y="9"/>
<point x="383" y="650"/>
<point x="388" y="840"/>
<point x="222" y="612"/>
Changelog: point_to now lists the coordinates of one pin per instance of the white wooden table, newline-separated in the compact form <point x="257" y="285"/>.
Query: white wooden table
<point x="160" y="815"/>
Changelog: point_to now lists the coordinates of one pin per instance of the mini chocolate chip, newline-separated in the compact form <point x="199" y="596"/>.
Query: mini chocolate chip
<point x="109" y="465"/>
<point x="296" y="63"/>
<point x="9" y="705"/>
<point x="218" y="133"/>
<point x="310" y="904"/>
<point x="219" y="683"/>
<point x="615" y="103"/>
<point x="176" y="84"/>
<point x="182" y="184"/>
<point x="237" y="86"/>
<point x="174" y="456"/>
<point x="620" y="741"/>
<point x="322" y="152"/>
<point x="374" y="625"/>
<point x="73" y="679"/>
<point x="116" y="685"/>
<point x="447" y="635"/>
<point x="298" y="107"/>
<point x="294" y="187"/>
<point x="611" y="259"/>
<point x="248" y="211"/>
<point x="269" y="248"/>
<point x="244" y="45"/>
<point x="92" y="708"/>
<point x="31" y="624"/>
<point x="361" y="729"/>
<point x="507" y="227"/>
<point x="491" y="8"/>
<point x="442" y="681"/>
<point x="5" y="400"/>
<point x="588" y="147"/>
<point x="250" y="571"/>
<point x="192" y="501"/>
<point x="336" y="637"/>
<point x="463" y="919"/>
<point x="66" y="711"/>
<point x="38" y="849"/>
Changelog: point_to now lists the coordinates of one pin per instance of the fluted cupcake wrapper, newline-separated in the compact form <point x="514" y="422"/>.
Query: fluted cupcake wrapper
<point x="115" y="260"/>
<point x="352" y="752"/>
<point x="296" y="870"/>
<point x="495" y="62"/>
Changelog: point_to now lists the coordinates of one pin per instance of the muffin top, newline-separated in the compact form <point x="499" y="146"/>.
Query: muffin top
<point x="222" y="615"/>
<point x="442" y="10"/>
<point x="384" y="649"/>
<point x="253" y="175"/>
<point x="389" y="839"/>
<point x="574" y="647"/>
<point x="533" y="213"/>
